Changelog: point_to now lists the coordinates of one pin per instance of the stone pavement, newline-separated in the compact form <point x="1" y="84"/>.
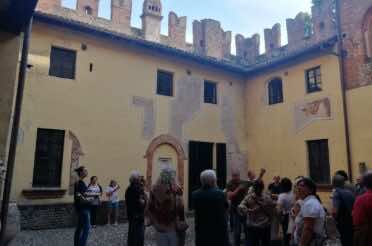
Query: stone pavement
<point x="108" y="235"/>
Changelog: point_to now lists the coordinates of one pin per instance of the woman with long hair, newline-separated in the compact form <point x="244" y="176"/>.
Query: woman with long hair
<point x="165" y="207"/>
<point x="94" y="190"/>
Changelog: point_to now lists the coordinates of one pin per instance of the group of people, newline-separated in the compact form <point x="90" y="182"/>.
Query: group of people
<point x="244" y="207"/>
<point x="297" y="207"/>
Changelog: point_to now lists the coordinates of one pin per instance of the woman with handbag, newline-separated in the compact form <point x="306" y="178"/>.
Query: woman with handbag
<point x="82" y="202"/>
<point x="163" y="206"/>
<point x="94" y="190"/>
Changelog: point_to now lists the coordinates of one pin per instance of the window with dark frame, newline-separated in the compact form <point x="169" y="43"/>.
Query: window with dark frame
<point x="48" y="158"/>
<point x="319" y="166"/>
<point x="313" y="80"/>
<point x="62" y="63"/>
<point x="275" y="91"/>
<point x="165" y="83"/>
<point x="210" y="92"/>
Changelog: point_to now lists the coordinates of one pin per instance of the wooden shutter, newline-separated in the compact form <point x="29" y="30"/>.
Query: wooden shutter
<point x="319" y="161"/>
<point x="48" y="158"/>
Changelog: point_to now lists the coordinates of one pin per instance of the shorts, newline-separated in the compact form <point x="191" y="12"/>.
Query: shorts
<point x="113" y="205"/>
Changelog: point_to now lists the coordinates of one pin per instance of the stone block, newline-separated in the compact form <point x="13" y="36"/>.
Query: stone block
<point x="273" y="38"/>
<point x="48" y="5"/>
<point x="324" y="20"/>
<point x="88" y="7"/>
<point x="299" y="29"/>
<point x="121" y="12"/>
<point x="177" y="30"/>
<point x="247" y="49"/>
<point x="211" y="40"/>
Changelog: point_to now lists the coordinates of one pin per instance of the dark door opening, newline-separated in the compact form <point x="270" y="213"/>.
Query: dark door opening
<point x="221" y="165"/>
<point x="200" y="159"/>
<point x="319" y="161"/>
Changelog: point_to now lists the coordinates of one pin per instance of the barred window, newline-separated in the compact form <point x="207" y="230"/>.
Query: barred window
<point x="62" y="63"/>
<point x="164" y="83"/>
<point x="275" y="91"/>
<point x="313" y="80"/>
<point x="48" y="158"/>
<point x="210" y="92"/>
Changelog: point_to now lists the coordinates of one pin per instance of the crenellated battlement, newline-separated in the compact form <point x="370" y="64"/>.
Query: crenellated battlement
<point x="273" y="38"/>
<point x="177" y="30"/>
<point x="247" y="49"/>
<point x="209" y="38"/>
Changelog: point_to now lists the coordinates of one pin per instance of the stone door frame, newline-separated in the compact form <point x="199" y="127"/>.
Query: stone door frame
<point x="176" y="145"/>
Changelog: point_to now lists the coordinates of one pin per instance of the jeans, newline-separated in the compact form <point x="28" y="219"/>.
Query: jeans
<point x="239" y="226"/>
<point x="93" y="215"/>
<point x="259" y="236"/>
<point x="82" y="228"/>
<point x="136" y="232"/>
<point x="286" y="236"/>
<point x="166" y="238"/>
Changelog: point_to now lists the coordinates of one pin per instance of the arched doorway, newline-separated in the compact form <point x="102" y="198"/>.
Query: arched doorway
<point x="159" y="144"/>
<point x="367" y="32"/>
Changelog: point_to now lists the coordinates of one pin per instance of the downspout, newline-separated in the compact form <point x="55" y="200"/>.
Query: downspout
<point x="14" y="131"/>
<point x="340" y="51"/>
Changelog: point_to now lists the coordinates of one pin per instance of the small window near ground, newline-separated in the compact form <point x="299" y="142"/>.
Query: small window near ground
<point x="48" y="158"/>
<point x="319" y="161"/>
<point x="313" y="80"/>
<point x="210" y="92"/>
<point x="62" y="63"/>
<point x="275" y="91"/>
<point x="165" y="83"/>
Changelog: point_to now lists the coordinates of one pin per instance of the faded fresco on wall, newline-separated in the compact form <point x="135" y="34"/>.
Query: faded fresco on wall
<point x="236" y="159"/>
<point x="76" y="153"/>
<point x="308" y="112"/>
<point x="149" y="122"/>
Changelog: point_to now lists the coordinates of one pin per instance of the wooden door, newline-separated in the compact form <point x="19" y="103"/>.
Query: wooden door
<point x="200" y="159"/>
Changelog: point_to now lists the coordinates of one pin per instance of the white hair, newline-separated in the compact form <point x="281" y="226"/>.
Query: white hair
<point x="208" y="178"/>
<point x="134" y="175"/>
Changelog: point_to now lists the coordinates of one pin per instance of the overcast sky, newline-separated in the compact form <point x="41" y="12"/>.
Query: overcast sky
<point x="246" y="17"/>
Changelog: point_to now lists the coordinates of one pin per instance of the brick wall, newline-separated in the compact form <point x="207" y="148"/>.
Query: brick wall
<point x="273" y="38"/>
<point x="48" y="5"/>
<point x="40" y="217"/>
<point x="358" y="69"/>
<point x="177" y="31"/>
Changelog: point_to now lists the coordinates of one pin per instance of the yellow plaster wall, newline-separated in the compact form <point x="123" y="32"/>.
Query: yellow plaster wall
<point x="360" y="122"/>
<point x="273" y="142"/>
<point x="9" y="50"/>
<point x="97" y="107"/>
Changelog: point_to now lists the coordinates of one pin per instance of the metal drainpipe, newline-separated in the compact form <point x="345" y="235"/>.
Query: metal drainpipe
<point x="14" y="133"/>
<point x="340" y="47"/>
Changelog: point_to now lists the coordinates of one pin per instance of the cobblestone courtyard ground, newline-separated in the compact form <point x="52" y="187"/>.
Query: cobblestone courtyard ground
<point x="100" y="236"/>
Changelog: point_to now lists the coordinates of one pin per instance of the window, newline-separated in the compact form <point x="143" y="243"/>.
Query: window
<point x="319" y="161"/>
<point x="210" y="92"/>
<point x="367" y="31"/>
<point x="48" y="158"/>
<point x="313" y="80"/>
<point x="275" y="91"/>
<point x="62" y="63"/>
<point x="88" y="10"/>
<point x="165" y="83"/>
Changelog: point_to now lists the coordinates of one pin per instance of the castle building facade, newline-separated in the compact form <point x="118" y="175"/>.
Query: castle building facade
<point x="114" y="98"/>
